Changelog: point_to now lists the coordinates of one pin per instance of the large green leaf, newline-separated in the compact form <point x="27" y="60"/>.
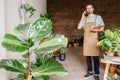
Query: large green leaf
<point x="12" y="43"/>
<point x="12" y="65"/>
<point x="108" y="43"/>
<point x="48" y="68"/>
<point x="22" y="29"/>
<point x="109" y="34"/>
<point x="43" y="27"/>
<point x="38" y="29"/>
<point x="101" y="35"/>
<point x="52" y="44"/>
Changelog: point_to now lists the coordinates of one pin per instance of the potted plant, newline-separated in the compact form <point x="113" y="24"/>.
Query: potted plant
<point x="70" y="43"/>
<point x="80" y="41"/>
<point x="76" y="43"/>
<point x="112" y="69"/>
<point x="24" y="39"/>
<point x="114" y="77"/>
<point x="63" y="51"/>
<point x="110" y="42"/>
<point x="117" y="34"/>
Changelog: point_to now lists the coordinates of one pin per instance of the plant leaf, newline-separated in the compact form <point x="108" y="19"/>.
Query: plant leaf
<point x="22" y="29"/>
<point x="43" y="27"/>
<point x="52" y="44"/>
<point x="48" y="68"/>
<point x="12" y="43"/>
<point x="100" y="43"/>
<point x="38" y="29"/>
<point x="109" y="34"/>
<point x="108" y="43"/>
<point x="12" y="65"/>
<point x="19" y="77"/>
<point x="38" y="78"/>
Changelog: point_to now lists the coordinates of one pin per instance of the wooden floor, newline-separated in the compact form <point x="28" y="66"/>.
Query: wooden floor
<point x="76" y="66"/>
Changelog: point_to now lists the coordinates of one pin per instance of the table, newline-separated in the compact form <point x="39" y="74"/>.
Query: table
<point x="107" y="62"/>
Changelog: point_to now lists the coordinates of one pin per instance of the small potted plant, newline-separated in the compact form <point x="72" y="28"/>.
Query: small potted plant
<point x="63" y="52"/>
<point x="76" y="43"/>
<point x="70" y="43"/>
<point x="80" y="41"/>
<point x="112" y="69"/>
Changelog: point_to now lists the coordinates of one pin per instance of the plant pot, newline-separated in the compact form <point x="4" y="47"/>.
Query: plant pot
<point x="56" y="52"/>
<point x="112" y="70"/>
<point x="110" y="53"/>
<point x="69" y="45"/>
<point x="75" y="44"/>
<point x="118" y="54"/>
<point x="62" y="57"/>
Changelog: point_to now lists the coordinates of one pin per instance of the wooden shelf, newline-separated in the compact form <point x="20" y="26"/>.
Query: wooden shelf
<point x="107" y="62"/>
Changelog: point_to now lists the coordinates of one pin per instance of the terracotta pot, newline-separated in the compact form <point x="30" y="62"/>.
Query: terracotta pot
<point x="118" y="54"/>
<point x="69" y="45"/>
<point x="55" y="52"/>
<point x="110" y="53"/>
<point x="75" y="44"/>
<point x="112" y="70"/>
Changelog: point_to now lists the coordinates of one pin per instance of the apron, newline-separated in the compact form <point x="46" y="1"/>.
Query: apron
<point x="90" y="40"/>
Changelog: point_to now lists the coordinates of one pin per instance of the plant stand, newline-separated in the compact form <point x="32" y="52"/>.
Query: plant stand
<point x="62" y="57"/>
<point x="107" y="62"/>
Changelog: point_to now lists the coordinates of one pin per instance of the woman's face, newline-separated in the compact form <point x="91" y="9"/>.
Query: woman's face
<point x="89" y="9"/>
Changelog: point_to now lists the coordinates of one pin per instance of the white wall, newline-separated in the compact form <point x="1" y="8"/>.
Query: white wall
<point x="39" y="5"/>
<point x="12" y="15"/>
<point x="10" y="19"/>
<point x="2" y="32"/>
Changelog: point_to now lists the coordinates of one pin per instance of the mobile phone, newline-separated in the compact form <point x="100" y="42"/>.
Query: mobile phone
<point x="86" y="14"/>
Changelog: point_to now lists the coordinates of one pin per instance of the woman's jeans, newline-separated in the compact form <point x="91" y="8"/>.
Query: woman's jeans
<point x="96" y="64"/>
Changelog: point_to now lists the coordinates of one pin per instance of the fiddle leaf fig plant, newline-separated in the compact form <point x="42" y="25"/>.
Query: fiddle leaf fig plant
<point x="23" y="39"/>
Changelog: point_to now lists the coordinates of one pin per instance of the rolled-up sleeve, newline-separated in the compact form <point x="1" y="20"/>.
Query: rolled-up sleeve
<point x="100" y="21"/>
<point x="83" y="23"/>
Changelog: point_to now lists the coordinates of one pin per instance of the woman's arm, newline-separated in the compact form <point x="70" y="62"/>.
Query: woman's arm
<point x="80" y="23"/>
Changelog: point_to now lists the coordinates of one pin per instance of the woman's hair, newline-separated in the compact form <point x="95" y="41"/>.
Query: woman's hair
<point x="90" y="4"/>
